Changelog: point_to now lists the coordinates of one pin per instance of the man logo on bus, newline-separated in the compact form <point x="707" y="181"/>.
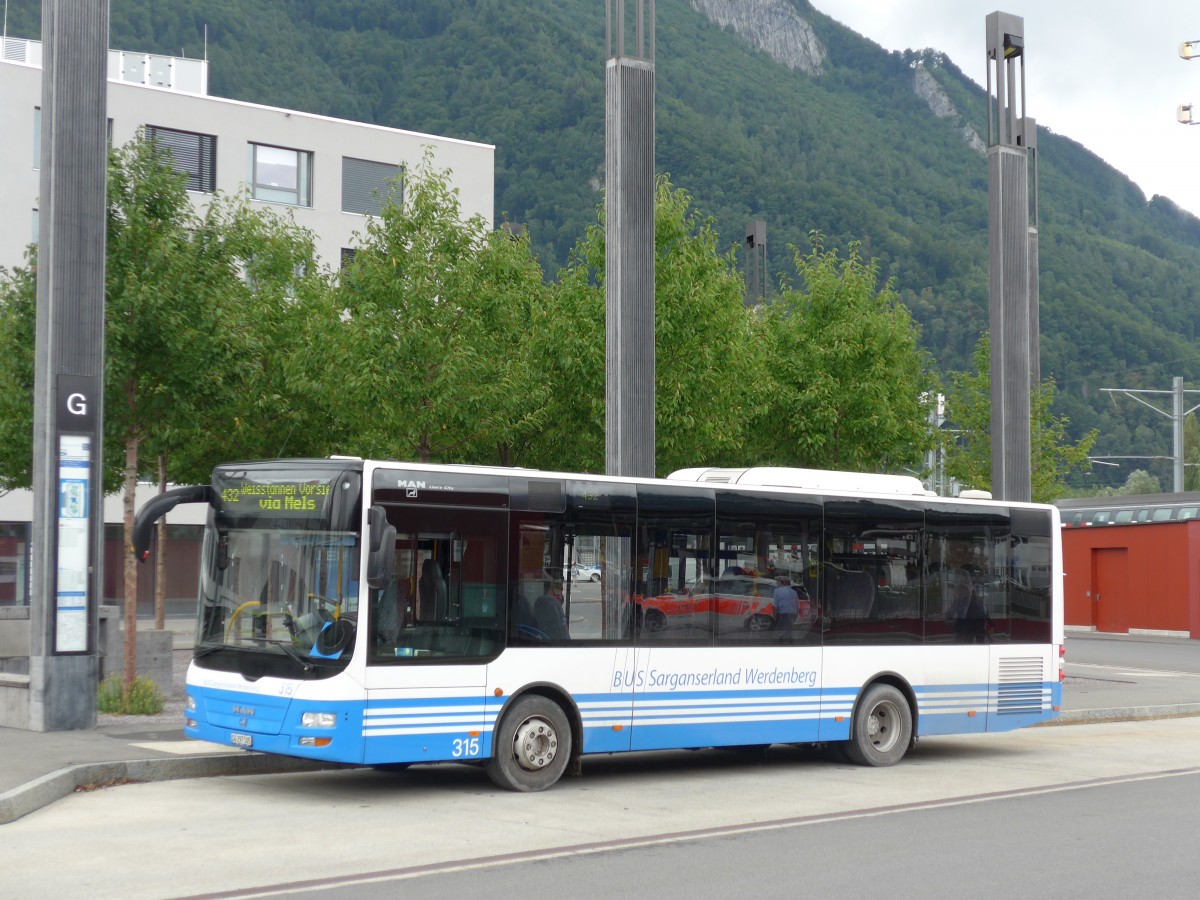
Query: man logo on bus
<point x="411" y="487"/>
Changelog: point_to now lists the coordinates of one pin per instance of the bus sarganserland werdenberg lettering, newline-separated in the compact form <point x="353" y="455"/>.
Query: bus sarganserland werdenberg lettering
<point x="385" y="613"/>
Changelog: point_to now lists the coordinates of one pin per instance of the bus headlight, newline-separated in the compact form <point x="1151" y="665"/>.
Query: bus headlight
<point x="190" y="703"/>
<point x="318" y="720"/>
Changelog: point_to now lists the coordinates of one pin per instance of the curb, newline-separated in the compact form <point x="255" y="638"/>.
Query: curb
<point x="1122" y="714"/>
<point x="45" y="790"/>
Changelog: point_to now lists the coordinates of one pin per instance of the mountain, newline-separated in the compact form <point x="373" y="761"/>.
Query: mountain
<point x="765" y="109"/>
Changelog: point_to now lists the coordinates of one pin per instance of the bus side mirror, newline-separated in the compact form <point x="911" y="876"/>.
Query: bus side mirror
<point x="155" y="509"/>
<point x="381" y="556"/>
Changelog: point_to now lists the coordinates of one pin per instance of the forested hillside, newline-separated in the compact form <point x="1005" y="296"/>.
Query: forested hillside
<point x="852" y="147"/>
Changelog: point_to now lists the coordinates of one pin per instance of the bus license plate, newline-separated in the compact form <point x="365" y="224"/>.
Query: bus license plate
<point x="242" y="740"/>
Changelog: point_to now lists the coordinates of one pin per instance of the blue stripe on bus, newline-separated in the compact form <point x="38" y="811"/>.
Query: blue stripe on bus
<point x="433" y="729"/>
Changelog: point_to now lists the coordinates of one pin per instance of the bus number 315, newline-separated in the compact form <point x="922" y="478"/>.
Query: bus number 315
<point x="468" y="746"/>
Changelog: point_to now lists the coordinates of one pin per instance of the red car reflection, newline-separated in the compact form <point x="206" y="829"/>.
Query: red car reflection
<point x="740" y="602"/>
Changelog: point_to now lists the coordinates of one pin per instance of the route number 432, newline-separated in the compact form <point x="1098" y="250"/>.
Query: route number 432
<point x="463" y="747"/>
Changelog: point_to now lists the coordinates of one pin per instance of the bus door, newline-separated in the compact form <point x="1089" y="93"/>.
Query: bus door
<point x="966" y="552"/>
<point x="570" y="611"/>
<point x="674" y="621"/>
<point x="769" y="656"/>
<point x="435" y="628"/>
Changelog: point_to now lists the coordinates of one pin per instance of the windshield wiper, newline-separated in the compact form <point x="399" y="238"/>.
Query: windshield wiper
<point x="287" y="647"/>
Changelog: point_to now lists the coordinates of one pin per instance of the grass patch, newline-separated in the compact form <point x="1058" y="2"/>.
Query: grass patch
<point x="142" y="699"/>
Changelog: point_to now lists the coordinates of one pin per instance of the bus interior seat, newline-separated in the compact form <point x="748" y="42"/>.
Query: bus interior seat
<point x="849" y="594"/>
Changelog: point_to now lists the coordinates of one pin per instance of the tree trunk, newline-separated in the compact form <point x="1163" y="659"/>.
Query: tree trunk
<point x="160" y="554"/>
<point x="131" y="564"/>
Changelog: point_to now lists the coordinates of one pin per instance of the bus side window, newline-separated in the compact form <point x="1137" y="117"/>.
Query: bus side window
<point x="447" y="598"/>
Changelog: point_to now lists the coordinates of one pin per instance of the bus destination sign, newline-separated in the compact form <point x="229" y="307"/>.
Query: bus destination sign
<point x="281" y="498"/>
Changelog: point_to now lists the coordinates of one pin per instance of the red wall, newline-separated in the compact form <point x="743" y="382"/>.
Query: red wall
<point x="1162" y="579"/>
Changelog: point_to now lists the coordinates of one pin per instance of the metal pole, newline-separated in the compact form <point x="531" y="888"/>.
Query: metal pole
<point x="68" y="512"/>
<point x="1177" y="429"/>
<point x="1009" y="246"/>
<point x="1177" y="415"/>
<point x="629" y="254"/>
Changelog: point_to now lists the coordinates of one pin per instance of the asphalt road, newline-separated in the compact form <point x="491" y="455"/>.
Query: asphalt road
<point x="982" y="847"/>
<point x="633" y="815"/>
<point x="1148" y="652"/>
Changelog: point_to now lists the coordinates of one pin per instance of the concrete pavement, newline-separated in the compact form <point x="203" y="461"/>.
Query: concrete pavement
<point x="38" y="768"/>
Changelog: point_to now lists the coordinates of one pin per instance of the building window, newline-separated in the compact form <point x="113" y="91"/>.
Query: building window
<point x="347" y="257"/>
<point x="280" y="175"/>
<point x="195" y="155"/>
<point x="367" y="185"/>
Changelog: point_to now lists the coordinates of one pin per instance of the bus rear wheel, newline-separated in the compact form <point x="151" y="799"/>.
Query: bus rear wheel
<point x="533" y="745"/>
<point x="882" y="727"/>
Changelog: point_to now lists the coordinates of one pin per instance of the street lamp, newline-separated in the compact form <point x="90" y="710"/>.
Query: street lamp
<point x="1187" y="50"/>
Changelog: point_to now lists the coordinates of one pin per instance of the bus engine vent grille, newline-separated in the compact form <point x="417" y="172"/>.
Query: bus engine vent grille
<point x="721" y="476"/>
<point x="1022" y="686"/>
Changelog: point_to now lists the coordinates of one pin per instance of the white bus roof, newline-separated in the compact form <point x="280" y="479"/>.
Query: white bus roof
<point x="812" y="479"/>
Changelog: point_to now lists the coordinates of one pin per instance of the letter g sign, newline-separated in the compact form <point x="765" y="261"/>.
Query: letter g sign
<point x="78" y="398"/>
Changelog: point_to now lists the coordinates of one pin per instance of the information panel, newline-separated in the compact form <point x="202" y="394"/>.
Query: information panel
<point x="257" y="495"/>
<point x="71" y="595"/>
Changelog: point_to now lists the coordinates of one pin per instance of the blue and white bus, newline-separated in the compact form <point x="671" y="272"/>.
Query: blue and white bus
<point x="385" y="613"/>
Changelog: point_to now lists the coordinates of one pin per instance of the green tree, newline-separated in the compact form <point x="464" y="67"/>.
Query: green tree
<point x="264" y="291"/>
<point x="18" y="317"/>
<point x="240" y="352"/>
<point x="187" y="302"/>
<point x="512" y="284"/>
<point x="1191" y="453"/>
<point x="969" y="448"/>
<point x="1139" y="482"/>
<point x="427" y="347"/>
<point x="705" y="355"/>
<point x="846" y="375"/>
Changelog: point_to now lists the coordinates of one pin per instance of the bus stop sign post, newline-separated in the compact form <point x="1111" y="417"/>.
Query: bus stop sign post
<point x="69" y="369"/>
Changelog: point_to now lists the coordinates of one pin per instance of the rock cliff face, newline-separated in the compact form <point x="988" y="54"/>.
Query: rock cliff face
<point x="927" y="88"/>
<point x="772" y="26"/>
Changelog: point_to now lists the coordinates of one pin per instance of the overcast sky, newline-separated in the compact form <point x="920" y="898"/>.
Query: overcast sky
<point x="1104" y="73"/>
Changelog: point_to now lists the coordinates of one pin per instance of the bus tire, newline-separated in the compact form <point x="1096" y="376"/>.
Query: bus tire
<point x="655" y="620"/>
<point x="882" y="727"/>
<point x="533" y="745"/>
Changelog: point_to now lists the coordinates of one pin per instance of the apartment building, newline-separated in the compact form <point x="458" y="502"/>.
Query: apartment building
<point x="326" y="171"/>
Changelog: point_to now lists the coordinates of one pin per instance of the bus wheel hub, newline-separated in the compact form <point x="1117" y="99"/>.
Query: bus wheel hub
<point x="535" y="744"/>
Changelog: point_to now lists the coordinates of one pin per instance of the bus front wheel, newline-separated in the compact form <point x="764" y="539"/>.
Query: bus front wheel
<point x="533" y="745"/>
<point x="882" y="727"/>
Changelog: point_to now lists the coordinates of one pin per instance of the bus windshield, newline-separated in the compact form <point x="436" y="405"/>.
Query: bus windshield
<point x="290" y="593"/>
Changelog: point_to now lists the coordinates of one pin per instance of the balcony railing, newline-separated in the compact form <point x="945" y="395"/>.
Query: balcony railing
<point x="174" y="73"/>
